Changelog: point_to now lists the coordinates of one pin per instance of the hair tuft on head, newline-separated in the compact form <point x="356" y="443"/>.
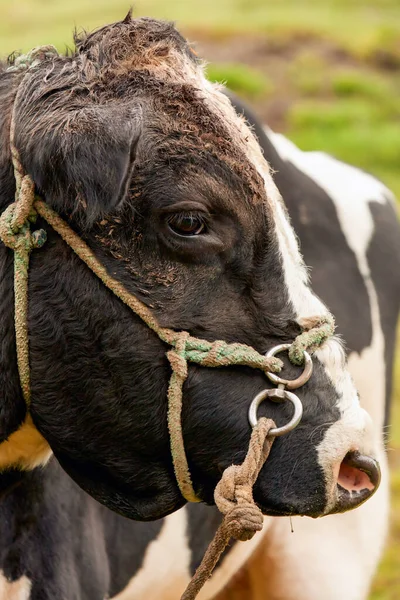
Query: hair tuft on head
<point x="128" y="17"/>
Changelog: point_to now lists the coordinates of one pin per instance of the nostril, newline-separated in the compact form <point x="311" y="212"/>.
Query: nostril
<point x="358" y="472"/>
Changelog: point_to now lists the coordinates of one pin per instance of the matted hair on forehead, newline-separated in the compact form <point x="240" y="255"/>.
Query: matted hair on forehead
<point x="144" y="39"/>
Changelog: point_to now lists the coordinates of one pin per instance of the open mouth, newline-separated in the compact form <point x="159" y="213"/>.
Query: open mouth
<point x="358" y="473"/>
<point x="358" y="479"/>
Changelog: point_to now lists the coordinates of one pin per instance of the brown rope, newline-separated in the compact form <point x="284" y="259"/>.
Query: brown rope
<point x="15" y="232"/>
<point x="175" y="398"/>
<point x="234" y="498"/>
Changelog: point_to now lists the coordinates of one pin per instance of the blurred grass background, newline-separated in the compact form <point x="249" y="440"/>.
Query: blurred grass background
<point x="325" y="72"/>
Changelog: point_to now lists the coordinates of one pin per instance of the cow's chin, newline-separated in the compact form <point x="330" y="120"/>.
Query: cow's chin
<point x="300" y="505"/>
<point x="311" y="506"/>
<point x="157" y="502"/>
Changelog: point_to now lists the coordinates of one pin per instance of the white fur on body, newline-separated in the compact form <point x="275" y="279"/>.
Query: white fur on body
<point x="333" y="558"/>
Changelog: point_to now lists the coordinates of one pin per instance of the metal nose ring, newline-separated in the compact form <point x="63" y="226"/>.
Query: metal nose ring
<point x="277" y="395"/>
<point x="281" y="394"/>
<point x="291" y="384"/>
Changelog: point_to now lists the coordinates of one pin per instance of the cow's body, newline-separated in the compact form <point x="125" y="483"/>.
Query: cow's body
<point x="56" y="542"/>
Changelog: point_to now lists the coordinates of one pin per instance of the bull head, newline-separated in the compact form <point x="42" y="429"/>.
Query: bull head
<point x="150" y="164"/>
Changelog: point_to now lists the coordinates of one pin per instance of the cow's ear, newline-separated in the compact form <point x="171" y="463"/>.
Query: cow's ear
<point x="81" y="160"/>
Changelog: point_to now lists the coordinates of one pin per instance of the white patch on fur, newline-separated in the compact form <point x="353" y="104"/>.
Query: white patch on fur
<point x="351" y="190"/>
<point x="304" y="302"/>
<point x="332" y="356"/>
<point x="15" y="590"/>
<point x="165" y="571"/>
<point x="302" y="299"/>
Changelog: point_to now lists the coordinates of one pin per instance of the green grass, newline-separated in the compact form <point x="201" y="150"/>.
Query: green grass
<point x="387" y="584"/>
<point x="308" y="74"/>
<point x="241" y="79"/>
<point x="357" y="131"/>
<point x="351" y="82"/>
<point x="334" y="67"/>
<point x="352" y="112"/>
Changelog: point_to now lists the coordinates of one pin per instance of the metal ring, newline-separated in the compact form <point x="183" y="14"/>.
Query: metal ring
<point x="291" y="384"/>
<point x="277" y="396"/>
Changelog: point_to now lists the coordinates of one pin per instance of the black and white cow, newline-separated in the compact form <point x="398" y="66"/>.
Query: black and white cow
<point x="150" y="164"/>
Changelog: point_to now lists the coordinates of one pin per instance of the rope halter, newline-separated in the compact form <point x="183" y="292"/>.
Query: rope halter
<point x="233" y="494"/>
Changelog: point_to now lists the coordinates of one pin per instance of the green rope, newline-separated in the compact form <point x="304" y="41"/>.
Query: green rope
<point x="15" y="232"/>
<point x="321" y="329"/>
<point x="33" y="58"/>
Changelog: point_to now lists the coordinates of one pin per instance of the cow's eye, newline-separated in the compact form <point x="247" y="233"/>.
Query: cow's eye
<point x="187" y="224"/>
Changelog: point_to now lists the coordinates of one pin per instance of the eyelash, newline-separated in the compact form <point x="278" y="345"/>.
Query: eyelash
<point x="195" y="224"/>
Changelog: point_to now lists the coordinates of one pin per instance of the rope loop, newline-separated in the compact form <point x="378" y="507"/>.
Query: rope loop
<point x="316" y="330"/>
<point x="179" y="367"/>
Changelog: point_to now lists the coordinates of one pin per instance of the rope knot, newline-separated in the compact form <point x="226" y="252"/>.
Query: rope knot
<point x="243" y="521"/>
<point x="15" y="221"/>
<point x="234" y="498"/>
<point x="177" y="356"/>
<point x="234" y="493"/>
